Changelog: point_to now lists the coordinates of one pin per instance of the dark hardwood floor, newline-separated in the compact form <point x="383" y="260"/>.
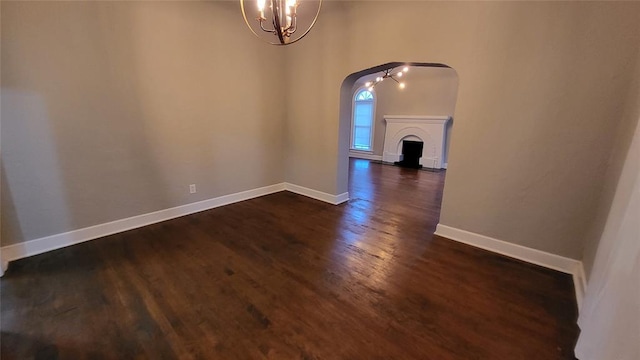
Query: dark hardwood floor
<point x="287" y="277"/>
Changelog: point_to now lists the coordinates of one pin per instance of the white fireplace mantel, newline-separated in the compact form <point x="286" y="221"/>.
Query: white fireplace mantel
<point x="431" y="130"/>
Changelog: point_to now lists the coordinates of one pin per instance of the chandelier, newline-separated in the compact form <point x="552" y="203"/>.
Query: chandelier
<point x="280" y="22"/>
<point x="388" y="74"/>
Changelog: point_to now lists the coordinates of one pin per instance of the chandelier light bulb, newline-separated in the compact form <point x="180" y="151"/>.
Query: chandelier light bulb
<point x="399" y="74"/>
<point x="367" y="84"/>
<point x="261" y="5"/>
<point x="406" y="68"/>
<point x="401" y="85"/>
<point x="291" y="4"/>
<point x="370" y="88"/>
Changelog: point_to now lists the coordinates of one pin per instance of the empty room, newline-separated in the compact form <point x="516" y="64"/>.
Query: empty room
<point x="306" y="179"/>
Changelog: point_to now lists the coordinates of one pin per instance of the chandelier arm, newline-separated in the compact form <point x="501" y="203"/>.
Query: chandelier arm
<point x="275" y="6"/>
<point x="246" y="21"/>
<point x="292" y="28"/>
<point x="272" y="31"/>
<point x="310" y="26"/>
<point x="294" y="18"/>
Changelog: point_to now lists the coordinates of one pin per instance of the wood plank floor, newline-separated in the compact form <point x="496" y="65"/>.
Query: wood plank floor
<point x="287" y="277"/>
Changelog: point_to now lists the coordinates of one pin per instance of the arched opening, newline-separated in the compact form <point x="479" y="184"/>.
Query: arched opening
<point x="412" y="117"/>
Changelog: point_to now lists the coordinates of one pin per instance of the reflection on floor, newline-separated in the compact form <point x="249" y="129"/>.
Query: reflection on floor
<point x="287" y="277"/>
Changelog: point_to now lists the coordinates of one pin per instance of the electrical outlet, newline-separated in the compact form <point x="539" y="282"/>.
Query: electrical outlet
<point x="192" y="189"/>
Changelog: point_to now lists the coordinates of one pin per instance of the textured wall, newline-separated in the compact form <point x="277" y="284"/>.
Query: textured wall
<point x="610" y="316"/>
<point x="541" y="91"/>
<point x="111" y="109"/>
<point x="622" y="142"/>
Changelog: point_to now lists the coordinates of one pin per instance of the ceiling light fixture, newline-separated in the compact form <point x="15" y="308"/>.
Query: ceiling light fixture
<point x="280" y="22"/>
<point x="388" y="74"/>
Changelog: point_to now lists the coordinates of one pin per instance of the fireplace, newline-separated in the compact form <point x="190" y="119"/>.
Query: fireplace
<point x="430" y="131"/>
<point x="411" y="154"/>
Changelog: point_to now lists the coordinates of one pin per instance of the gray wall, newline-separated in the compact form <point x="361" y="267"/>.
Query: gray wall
<point x="610" y="316"/>
<point x="111" y="109"/>
<point x="625" y="132"/>
<point x="541" y="92"/>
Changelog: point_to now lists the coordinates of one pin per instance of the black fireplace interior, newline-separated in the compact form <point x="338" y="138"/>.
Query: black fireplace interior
<point x="412" y="152"/>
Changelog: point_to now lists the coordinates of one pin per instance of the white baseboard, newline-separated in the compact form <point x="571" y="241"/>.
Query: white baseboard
<point x="57" y="241"/>
<point x="580" y="283"/>
<point x="318" y="195"/>
<point x="341" y="198"/>
<point x="4" y="264"/>
<point x="366" y="156"/>
<point x="534" y="256"/>
<point x="53" y="242"/>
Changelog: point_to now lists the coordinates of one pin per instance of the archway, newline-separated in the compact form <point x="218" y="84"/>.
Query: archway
<point x="348" y="87"/>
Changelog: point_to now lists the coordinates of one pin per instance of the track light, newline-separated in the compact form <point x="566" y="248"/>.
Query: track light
<point x="388" y="74"/>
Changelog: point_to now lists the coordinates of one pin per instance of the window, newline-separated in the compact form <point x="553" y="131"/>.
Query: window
<point x="362" y="131"/>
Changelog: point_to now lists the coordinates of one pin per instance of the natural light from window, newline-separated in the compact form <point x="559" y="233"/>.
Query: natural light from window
<point x="362" y="131"/>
